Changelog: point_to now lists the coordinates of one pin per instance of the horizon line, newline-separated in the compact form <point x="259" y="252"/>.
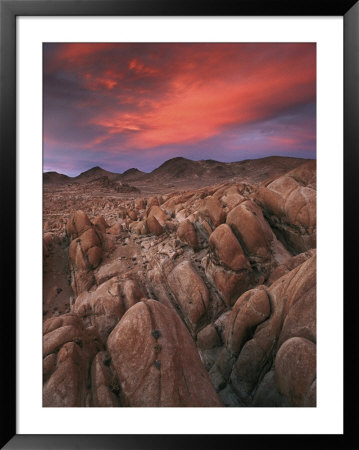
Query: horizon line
<point x="175" y="157"/>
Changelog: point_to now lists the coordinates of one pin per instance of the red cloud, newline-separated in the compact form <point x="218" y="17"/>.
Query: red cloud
<point x="199" y="104"/>
<point x="150" y="95"/>
<point x="97" y="83"/>
<point x="140" y="68"/>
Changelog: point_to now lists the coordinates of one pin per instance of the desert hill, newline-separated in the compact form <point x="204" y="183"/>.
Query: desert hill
<point x="132" y="174"/>
<point x="55" y="178"/>
<point x="96" y="173"/>
<point x="183" y="170"/>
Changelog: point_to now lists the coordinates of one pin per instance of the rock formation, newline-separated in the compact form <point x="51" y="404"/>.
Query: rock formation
<point x="181" y="296"/>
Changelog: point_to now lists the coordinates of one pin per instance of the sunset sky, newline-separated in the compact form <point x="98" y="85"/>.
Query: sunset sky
<point x="120" y="106"/>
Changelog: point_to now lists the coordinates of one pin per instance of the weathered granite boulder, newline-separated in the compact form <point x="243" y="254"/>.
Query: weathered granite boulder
<point x="190" y="292"/>
<point x="186" y="232"/>
<point x="156" y="360"/>
<point x="289" y="203"/>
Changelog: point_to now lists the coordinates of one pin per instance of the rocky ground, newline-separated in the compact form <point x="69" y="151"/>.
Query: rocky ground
<point x="190" y="292"/>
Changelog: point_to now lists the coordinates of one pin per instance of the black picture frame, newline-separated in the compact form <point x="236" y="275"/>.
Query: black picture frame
<point x="9" y="10"/>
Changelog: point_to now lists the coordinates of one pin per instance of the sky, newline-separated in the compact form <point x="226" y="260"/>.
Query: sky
<point x="126" y="105"/>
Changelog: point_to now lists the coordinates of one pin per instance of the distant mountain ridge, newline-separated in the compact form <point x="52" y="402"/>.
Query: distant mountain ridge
<point x="55" y="178"/>
<point x="97" y="172"/>
<point x="180" y="168"/>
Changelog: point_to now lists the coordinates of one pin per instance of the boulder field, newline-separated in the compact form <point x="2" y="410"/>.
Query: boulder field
<point x="197" y="298"/>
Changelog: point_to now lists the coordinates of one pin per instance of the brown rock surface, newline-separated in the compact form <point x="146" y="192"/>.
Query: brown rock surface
<point x="78" y="224"/>
<point x="116" y="228"/>
<point x="248" y="223"/>
<point x="132" y="214"/>
<point x="55" y="339"/>
<point x="49" y="365"/>
<point x="152" y="202"/>
<point x="290" y="264"/>
<point x="227" y="249"/>
<point x="221" y="263"/>
<point x="156" y="361"/>
<point x="229" y="284"/>
<point x="212" y="209"/>
<point x="187" y="233"/>
<point x="190" y="292"/>
<point x="203" y="227"/>
<point x="140" y="228"/>
<point x="74" y="348"/>
<point x="140" y="203"/>
<point x="103" y="382"/>
<point x="208" y="338"/>
<point x="105" y="306"/>
<point x="132" y="292"/>
<point x="100" y="223"/>
<point x="295" y="369"/>
<point x="85" y="251"/>
<point x="153" y="226"/>
<point x="67" y="384"/>
<point x="56" y="322"/>
<point x="291" y="295"/>
<point x="250" y="309"/>
<point x="232" y="199"/>
<point x="106" y="299"/>
<point x="157" y="212"/>
<point x="290" y="205"/>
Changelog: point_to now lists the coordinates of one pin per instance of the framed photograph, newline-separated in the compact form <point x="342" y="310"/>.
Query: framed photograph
<point x="172" y="274"/>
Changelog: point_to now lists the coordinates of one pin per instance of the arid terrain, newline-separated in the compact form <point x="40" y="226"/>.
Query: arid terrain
<point x="192" y="285"/>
